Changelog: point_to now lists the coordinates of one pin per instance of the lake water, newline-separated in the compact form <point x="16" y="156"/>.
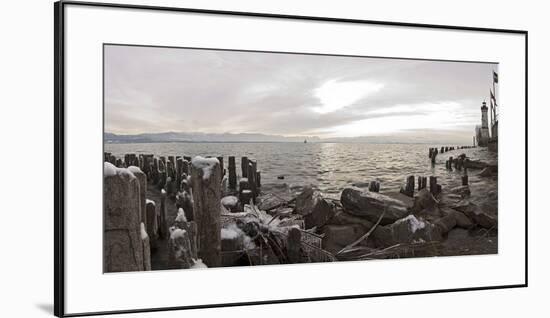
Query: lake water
<point x="329" y="166"/>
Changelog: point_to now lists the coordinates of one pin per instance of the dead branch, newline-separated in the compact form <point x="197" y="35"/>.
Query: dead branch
<point x="364" y="237"/>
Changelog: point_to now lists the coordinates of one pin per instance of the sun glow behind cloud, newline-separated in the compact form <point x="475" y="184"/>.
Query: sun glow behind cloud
<point x="444" y="115"/>
<point x="335" y="95"/>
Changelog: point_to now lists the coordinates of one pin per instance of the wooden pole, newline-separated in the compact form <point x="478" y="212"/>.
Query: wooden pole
<point x="232" y="173"/>
<point x="294" y="242"/>
<point x="244" y="167"/>
<point x="206" y="184"/>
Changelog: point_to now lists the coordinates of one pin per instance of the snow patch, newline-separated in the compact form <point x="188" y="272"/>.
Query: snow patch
<point x="181" y="216"/>
<point x="144" y="235"/>
<point x="147" y="201"/>
<point x="205" y="164"/>
<point x="198" y="264"/>
<point x="177" y="233"/>
<point x="230" y="200"/>
<point x="110" y="170"/>
<point x="134" y="169"/>
<point x="414" y="223"/>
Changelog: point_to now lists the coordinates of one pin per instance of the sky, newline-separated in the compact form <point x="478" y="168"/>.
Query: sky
<point x="152" y="90"/>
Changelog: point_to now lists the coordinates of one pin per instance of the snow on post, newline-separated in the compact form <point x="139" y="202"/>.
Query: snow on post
<point x="122" y="248"/>
<point x="151" y="224"/>
<point x="142" y="178"/>
<point x="206" y="180"/>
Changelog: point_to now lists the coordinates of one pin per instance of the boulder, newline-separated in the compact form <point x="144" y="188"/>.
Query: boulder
<point x="344" y="218"/>
<point x="371" y="205"/>
<point x="404" y="200"/>
<point x="269" y="202"/>
<point x="478" y="216"/>
<point x="231" y="203"/>
<point x="336" y="237"/>
<point x="474" y="164"/>
<point x="321" y="212"/>
<point x="406" y="230"/>
<point x="306" y="200"/>
<point x="445" y="224"/>
<point x="411" y="229"/>
<point x="489" y="171"/>
<point x="315" y="210"/>
<point x="463" y="191"/>
<point x="449" y="199"/>
<point x="424" y="200"/>
<point x="462" y="220"/>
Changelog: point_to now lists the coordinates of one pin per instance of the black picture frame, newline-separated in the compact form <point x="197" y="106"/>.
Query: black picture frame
<point x="59" y="152"/>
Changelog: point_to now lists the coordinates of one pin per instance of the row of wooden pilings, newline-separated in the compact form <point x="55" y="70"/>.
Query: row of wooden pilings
<point x="434" y="151"/>
<point x="166" y="170"/>
<point x="197" y="186"/>
<point x="408" y="188"/>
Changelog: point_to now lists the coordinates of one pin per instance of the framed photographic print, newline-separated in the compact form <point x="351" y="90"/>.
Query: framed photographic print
<point x="235" y="158"/>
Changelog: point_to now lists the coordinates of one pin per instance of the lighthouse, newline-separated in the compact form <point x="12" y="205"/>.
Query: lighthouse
<point x="483" y="131"/>
<point x="484" y="120"/>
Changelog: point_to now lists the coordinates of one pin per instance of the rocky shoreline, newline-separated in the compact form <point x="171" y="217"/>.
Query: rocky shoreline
<point x="192" y="213"/>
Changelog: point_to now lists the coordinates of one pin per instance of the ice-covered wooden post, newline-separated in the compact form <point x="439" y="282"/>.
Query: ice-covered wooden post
<point x="185" y="167"/>
<point x="232" y="173"/>
<point x="244" y="167"/>
<point x="122" y="242"/>
<point x="142" y="178"/>
<point x="294" y="242"/>
<point x="220" y="159"/>
<point x="146" y="246"/>
<point x="179" y="170"/>
<point x="259" y="179"/>
<point x="409" y="187"/>
<point x="245" y="196"/>
<point x="252" y="178"/>
<point x="151" y="222"/>
<point x="163" y="224"/>
<point x="206" y="180"/>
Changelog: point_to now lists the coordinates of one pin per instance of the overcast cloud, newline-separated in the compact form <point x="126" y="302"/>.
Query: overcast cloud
<point x="150" y="90"/>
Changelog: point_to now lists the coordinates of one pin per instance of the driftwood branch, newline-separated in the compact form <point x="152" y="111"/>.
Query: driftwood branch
<point x="364" y="237"/>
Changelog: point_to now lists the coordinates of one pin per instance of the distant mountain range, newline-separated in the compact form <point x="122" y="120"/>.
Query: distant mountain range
<point x="201" y="137"/>
<point x="197" y="137"/>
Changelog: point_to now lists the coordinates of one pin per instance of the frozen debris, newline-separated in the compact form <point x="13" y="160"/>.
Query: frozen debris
<point x="110" y="170"/>
<point x="230" y="203"/>
<point x="239" y="239"/>
<point x="181" y="216"/>
<point x="134" y="169"/>
<point x="414" y="223"/>
<point x="176" y="233"/>
<point x="206" y="164"/>
<point x="147" y="201"/>
<point x="144" y="235"/>
<point x="198" y="264"/>
<point x="231" y="232"/>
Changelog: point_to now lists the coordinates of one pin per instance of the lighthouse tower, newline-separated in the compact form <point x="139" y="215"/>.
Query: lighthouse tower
<point x="483" y="137"/>
<point x="484" y="120"/>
